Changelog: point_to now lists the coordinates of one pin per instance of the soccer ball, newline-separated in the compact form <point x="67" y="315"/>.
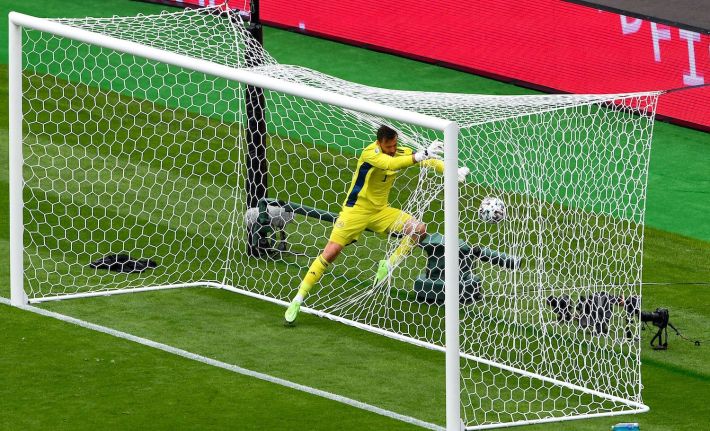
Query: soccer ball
<point x="492" y="210"/>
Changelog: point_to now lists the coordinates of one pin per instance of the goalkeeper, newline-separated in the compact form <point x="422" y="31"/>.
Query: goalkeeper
<point x="367" y="207"/>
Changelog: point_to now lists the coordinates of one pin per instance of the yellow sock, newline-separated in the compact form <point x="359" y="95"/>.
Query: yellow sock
<point x="405" y="247"/>
<point x="315" y="272"/>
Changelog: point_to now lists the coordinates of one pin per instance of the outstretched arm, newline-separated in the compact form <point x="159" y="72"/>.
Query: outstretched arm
<point x="429" y="157"/>
<point x="403" y="158"/>
<point x="380" y="160"/>
<point x="438" y="166"/>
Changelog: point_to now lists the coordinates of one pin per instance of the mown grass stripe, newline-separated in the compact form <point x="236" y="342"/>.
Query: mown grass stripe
<point x="229" y="367"/>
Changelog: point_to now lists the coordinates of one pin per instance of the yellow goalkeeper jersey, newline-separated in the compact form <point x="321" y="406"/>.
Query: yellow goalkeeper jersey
<point x="375" y="174"/>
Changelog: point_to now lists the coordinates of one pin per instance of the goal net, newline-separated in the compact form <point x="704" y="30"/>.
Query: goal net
<point x="126" y="155"/>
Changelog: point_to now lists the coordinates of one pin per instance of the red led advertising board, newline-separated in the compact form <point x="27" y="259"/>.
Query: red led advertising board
<point x="547" y="43"/>
<point x="232" y="4"/>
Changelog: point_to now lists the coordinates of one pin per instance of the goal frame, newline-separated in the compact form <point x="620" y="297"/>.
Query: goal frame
<point x="450" y="129"/>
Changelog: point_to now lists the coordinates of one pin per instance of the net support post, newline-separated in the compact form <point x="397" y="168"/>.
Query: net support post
<point x="451" y="278"/>
<point x="17" y="292"/>
<point x="257" y="177"/>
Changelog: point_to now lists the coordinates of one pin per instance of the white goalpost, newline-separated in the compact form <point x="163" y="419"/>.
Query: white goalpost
<point x="132" y="135"/>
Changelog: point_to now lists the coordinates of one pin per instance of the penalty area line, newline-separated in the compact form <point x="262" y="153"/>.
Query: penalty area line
<point x="226" y="366"/>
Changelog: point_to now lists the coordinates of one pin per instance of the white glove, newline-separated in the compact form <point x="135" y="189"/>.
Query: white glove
<point x="463" y="172"/>
<point x="433" y="151"/>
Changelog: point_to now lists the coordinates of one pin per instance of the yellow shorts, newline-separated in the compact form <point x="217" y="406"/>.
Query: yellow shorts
<point x="353" y="220"/>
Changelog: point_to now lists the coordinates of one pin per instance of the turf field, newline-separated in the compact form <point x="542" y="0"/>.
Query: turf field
<point x="109" y="383"/>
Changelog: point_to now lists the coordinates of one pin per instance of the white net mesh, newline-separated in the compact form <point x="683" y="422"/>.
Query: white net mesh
<point x="126" y="155"/>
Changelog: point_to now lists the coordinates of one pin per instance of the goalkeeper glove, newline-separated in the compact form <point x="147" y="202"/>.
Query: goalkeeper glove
<point x="433" y="151"/>
<point x="463" y="172"/>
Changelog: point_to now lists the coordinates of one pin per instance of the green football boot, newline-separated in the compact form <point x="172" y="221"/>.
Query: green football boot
<point x="292" y="313"/>
<point x="383" y="271"/>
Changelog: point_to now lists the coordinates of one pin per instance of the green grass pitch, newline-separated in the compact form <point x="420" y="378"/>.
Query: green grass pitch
<point x="57" y="376"/>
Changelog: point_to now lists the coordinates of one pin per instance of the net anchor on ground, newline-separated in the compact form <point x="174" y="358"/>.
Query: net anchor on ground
<point x="266" y="224"/>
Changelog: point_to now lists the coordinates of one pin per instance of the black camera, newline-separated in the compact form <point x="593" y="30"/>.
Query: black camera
<point x="562" y="306"/>
<point x="591" y="312"/>
<point x="659" y="318"/>
<point x="594" y="312"/>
